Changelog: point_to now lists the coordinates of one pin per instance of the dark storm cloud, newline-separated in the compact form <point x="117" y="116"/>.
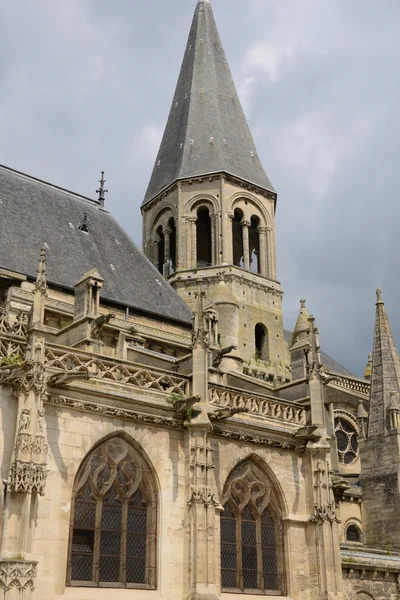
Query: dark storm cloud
<point x="87" y="85"/>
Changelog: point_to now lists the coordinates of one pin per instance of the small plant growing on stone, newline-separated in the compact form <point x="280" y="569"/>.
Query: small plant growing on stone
<point x="13" y="359"/>
<point x="133" y="330"/>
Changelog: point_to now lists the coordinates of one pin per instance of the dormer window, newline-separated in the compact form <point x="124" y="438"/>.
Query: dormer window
<point x="84" y="225"/>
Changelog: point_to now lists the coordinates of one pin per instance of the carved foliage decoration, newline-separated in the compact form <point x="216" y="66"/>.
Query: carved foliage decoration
<point x="17" y="574"/>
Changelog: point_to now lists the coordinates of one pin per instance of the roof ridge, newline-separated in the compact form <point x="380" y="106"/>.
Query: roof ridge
<point x="49" y="185"/>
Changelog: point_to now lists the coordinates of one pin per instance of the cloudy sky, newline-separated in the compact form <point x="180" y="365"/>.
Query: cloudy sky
<point x="86" y="85"/>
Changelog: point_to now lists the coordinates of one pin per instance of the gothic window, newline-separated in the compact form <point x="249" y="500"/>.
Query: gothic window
<point x="346" y="432"/>
<point x="254" y="245"/>
<point x="353" y="533"/>
<point x="261" y="342"/>
<point x="251" y="534"/>
<point x="113" y="520"/>
<point x="203" y="237"/>
<point x="237" y="238"/>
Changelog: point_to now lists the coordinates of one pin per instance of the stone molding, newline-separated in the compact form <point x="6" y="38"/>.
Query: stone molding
<point x="112" y="412"/>
<point x="260" y="441"/>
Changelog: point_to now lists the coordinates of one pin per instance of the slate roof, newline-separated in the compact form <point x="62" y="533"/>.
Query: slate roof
<point x="34" y="213"/>
<point x="207" y="131"/>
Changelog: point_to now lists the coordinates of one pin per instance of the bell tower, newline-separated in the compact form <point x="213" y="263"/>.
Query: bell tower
<point x="209" y="210"/>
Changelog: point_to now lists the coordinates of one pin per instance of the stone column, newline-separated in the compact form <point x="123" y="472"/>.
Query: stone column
<point x="167" y="251"/>
<point x="214" y="245"/>
<point x="193" y="222"/>
<point x="270" y="266"/>
<point x="262" y="233"/>
<point x="155" y="257"/>
<point x="246" y="254"/>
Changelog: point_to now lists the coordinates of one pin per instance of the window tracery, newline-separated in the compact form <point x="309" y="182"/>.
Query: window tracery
<point x="346" y="431"/>
<point x="113" y="521"/>
<point x="251" y="533"/>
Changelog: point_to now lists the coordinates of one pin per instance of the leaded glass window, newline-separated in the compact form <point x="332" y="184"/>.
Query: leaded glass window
<point x="113" y="521"/>
<point x="251" y="534"/>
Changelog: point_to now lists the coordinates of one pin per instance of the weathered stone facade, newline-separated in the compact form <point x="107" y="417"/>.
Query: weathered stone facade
<point x="148" y="455"/>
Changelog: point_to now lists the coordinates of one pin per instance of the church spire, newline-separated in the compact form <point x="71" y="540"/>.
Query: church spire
<point x="206" y="132"/>
<point x="385" y="376"/>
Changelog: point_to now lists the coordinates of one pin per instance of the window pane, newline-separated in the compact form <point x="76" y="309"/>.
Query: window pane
<point x="229" y="578"/>
<point x="111" y="516"/>
<point x="110" y="542"/>
<point x="84" y="515"/>
<point x="249" y="551"/>
<point x="137" y="519"/>
<point x="82" y="568"/>
<point x="269" y="552"/>
<point x="82" y="555"/>
<point x="136" y="545"/>
<point x="250" y="580"/>
<point x="271" y="581"/>
<point x="109" y="568"/>
<point x="136" y="570"/>
<point x="228" y="549"/>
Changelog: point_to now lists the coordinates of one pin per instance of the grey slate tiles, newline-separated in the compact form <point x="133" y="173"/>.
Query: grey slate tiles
<point x="207" y="131"/>
<point x="34" y="213"/>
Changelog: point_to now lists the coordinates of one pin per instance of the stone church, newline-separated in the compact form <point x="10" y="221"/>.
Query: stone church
<point x="162" y="435"/>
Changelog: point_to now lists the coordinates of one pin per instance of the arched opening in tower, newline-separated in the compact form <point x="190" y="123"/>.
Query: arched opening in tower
<point x="172" y="250"/>
<point x="203" y="231"/>
<point x="261" y="342"/>
<point x="161" y="250"/>
<point x="254" y="245"/>
<point x="237" y="238"/>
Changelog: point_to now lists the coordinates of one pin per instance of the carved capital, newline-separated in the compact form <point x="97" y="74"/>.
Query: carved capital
<point x="19" y="574"/>
<point x="262" y="230"/>
<point x="27" y="477"/>
<point x="245" y="223"/>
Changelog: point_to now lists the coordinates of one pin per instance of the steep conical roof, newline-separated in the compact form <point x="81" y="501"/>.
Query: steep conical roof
<point x="385" y="376"/>
<point x="302" y="324"/>
<point x="206" y="130"/>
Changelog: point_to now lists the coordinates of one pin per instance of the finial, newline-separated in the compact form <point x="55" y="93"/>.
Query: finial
<point x="101" y="190"/>
<point x="379" y="296"/>
<point x="41" y="276"/>
<point x="302" y="303"/>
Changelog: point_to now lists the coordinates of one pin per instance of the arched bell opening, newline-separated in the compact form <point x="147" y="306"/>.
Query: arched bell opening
<point x="203" y="238"/>
<point x="161" y="249"/>
<point x="254" y="245"/>
<point x="237" y="238"/>
<point x="170" y="257"/>
<point x="261" y="342"/>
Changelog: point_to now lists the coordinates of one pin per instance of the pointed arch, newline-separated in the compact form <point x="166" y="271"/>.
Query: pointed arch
<point x="252" y="556"/>
<point x="113" y="518"/>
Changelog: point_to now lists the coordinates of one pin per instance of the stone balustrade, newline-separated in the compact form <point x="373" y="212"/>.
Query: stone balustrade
<point x="356" y="385"/>
<point x="112" y="370"/>
<point x="259" y="405"/>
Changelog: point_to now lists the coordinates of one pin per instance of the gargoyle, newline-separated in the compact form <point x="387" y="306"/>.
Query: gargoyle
<point x="219" y="354"/>
<point x="325" y="378"/>
<point x="185" y="404"/>
<point x="61" y="379"/>
<point x="309" y="433"/>
<point x="220" y="414"/>
<point x="99" y="322"/>
<point x="12" y="373"/>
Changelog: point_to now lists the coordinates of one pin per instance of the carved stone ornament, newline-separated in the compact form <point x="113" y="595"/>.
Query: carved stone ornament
<point x="324" y="501"/>
<point x="247" y="485"/>
<point x="203" y="495"/>
<point x="27" y="477"/>
<point x="19" y="574"/>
